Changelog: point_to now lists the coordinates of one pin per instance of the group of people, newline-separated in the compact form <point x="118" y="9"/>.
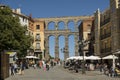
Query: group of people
<point x="110" y="70"/>
<point x="76" y="65"/>
<point x="105" y="68"/>
<point x="46" y="65"/>
<point x="18" y="67"/>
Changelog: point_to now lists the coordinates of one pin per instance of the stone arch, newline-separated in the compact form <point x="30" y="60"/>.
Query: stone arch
<point x="66" y="32"/>
<point x="61" y="43"/>
<point x="71" y="44"/>
<point x="71" y="25"/>
<point x="78" y="22"/>
<point x="61" y="25"/>
<point x="51" y="25"/>
<point x="70" y="21"/>
<point x="51" y="40"/>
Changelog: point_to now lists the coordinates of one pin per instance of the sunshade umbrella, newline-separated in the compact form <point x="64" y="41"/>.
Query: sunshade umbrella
<point x="113" y="57"/>
<point x="110" y="57"/>
<point x="93" y="57"/>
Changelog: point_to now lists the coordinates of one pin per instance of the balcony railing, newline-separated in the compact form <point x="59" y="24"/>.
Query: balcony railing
<point x="37" y="39"/>
<point x="106" y="50"/>
<point x="37" y="50"/>
<point x="105" y="21"/>
<point x="105" y="36"/>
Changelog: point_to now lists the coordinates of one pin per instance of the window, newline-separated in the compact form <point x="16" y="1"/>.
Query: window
<point x="37" y="26"/>
<point x="37" y="45"/>
<point x="37" y="36"/>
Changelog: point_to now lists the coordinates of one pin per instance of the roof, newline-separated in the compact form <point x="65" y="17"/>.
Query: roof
<point x="11" y="54"/>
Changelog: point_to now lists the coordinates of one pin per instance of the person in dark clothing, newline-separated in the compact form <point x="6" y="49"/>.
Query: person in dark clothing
<point x="101" y="68"/>
<point x="12" y="69"/>
<point x="76" y="67"/>
<point x="52" y="64"/>
<point x="22" y="67"/>
<point x="47" y="66"/>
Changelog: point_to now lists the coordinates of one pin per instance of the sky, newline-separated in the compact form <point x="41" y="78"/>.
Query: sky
<point x="57" y="8"/>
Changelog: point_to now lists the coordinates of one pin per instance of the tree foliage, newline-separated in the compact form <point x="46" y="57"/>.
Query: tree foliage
<point x="12" y="34"/>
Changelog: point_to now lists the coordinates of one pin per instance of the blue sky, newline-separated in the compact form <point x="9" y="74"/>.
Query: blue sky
<point x="57" y="8"/>
<point x="53" y="8"/>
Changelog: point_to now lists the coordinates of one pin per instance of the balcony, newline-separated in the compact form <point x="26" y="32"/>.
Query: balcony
<point x="105" y="22"/>
<point x="106" y="50"/>
<point x="37" y="50"/>
<point x="105" y="35"/>
<point x="37" y="40"/>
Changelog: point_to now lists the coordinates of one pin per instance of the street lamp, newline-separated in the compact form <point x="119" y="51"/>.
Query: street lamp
<point x="63" y="50"/>
<point x="82" y="44"/>
<point x="43" y="55"/>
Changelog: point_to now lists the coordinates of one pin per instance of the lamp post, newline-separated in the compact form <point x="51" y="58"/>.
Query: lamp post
<point x="116" y="52"/>
<point x="63" y="50"/>
<point x="82" y="44"/>
<point x="43" y="54"/>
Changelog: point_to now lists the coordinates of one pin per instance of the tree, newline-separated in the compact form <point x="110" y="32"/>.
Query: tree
<point x="12" y="34"/>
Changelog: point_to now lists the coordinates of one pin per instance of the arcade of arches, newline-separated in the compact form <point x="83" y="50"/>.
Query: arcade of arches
<point x="65" y="31"/>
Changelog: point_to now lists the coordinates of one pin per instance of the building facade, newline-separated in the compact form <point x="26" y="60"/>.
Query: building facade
<point x="35" y="29"/>
<point x="105" y="33"/>
<point x="84" y="34"/>
<point x="24" y="20"/>
<point x="115" y="23"/>
<point x="38" y="40"/>
<point x="102" y="45"/>
<point x="27" y="23"/>
<point x="107" y="30"/>
<point x="97" y="32"/>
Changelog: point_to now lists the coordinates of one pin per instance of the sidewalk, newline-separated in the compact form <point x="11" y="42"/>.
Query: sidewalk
<point x="91" y="75"/>
<point x="59" y="73"/>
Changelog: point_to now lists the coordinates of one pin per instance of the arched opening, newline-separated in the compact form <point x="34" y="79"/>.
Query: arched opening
<point x="61" y="25"/>
<point x="78" y="23"/>
<point x="71" y="26"/>
<point x="51" y="26"/>
<point x="71" y="45"/>
<point x="52" y="46"/>
<point x="61" y="46"/>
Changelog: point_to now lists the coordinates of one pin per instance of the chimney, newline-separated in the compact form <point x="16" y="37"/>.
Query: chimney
<point x="18" y="10"/>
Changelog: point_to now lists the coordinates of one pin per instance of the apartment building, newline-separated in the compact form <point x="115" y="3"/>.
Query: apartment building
<point x="84" y="34"/>
<point x="107" y="30"/>
<point x="38" y="40"/>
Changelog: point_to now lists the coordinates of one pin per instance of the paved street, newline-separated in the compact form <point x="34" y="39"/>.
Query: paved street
<point x="58" y="73"/>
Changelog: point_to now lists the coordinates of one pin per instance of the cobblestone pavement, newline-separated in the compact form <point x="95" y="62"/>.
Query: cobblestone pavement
<point x="59" y="73"/>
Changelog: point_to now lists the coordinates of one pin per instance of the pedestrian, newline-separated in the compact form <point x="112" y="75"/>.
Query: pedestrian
<point x="47" y="66"/>
<point x="40" y="64"/>
<point x="22" y="68"/>
<point x="12" y="69"/>
<point x="76" y="66"/>
<point x="101" y="68"/>
<point x="44" y="65"/>
<point x="15" y="67"/>
<point x="52" y="64"/>
<point x="35" y="65"/>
